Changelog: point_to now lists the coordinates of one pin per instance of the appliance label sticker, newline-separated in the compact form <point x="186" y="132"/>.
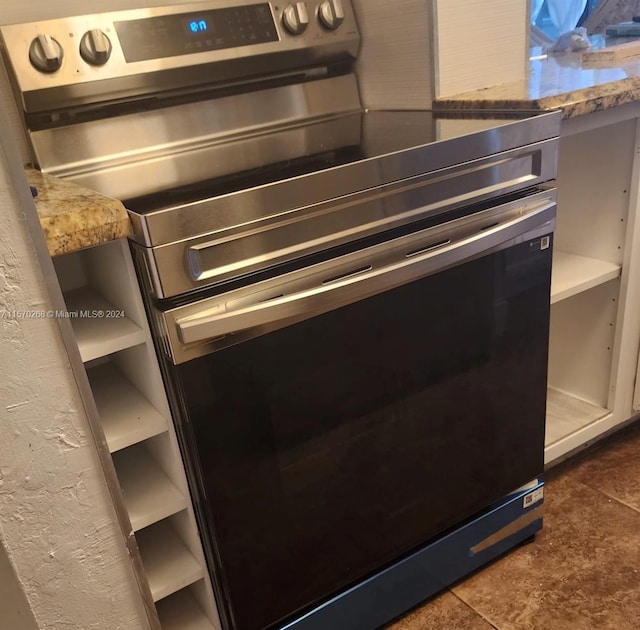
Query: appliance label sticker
<point x="545" y="241"/>
<point x="533" y="497"/>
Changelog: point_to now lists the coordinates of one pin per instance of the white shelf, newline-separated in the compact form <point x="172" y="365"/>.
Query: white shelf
<point x="567" y="414"/>
<point x="97" y="336"/>
<point x="181" y="612"/>
<point x="168" y="563"/>
<point x="126" y="415"/>
<point x="149" y="495"/>
<point x="573" y="274"/>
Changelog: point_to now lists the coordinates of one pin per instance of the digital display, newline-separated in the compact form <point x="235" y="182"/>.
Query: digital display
<point x="197" y="26"/>
<point x="186" y="33"/>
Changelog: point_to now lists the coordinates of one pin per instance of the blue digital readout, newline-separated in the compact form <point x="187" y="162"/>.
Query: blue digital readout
<point x="198" y="26"/>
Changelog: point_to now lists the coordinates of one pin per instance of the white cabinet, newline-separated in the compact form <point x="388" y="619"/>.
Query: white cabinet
<point x="110" y="327"/>
<point x="127" y="418"/>
<point x="594" y="295"/>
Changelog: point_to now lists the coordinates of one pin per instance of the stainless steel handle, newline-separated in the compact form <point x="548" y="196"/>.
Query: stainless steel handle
<point x="217" y="321"/>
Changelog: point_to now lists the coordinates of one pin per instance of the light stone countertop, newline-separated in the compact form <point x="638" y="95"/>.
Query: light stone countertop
<point x="73" y="217"/>
<point x="558" y="82"/>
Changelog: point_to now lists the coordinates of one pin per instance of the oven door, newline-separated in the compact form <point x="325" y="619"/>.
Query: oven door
<point x="345" y="414"/>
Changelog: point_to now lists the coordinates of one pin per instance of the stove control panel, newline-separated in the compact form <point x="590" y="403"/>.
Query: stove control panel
<point x="331" y="14"/>
<point x="178" y="34"/>
<point x="45" y="53"/>
<point x="95" y="47"/>
<point x="113" y="46"/>
<point x="295" y="18"/>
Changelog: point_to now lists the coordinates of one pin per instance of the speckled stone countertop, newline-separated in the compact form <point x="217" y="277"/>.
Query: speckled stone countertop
<point x="73" y="217"/>
<point x="558" y="82"/>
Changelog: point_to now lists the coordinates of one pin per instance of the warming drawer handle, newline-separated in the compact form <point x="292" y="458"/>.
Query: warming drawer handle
<point x="210" y="324"/>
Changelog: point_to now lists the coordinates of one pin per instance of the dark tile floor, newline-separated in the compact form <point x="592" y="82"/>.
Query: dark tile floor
<point x="582" y="572"/>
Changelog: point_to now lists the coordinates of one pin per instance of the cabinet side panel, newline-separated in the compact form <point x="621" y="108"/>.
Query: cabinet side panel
<point x="594" y="175"/>
<point x="71" y="271"/>
<point x="581" y="343"/>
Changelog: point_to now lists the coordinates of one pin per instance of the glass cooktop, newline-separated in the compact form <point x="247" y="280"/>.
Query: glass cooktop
<point x="353" y="138"/>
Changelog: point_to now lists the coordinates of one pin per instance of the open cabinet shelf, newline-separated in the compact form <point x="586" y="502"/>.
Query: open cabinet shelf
<point x="573" y="274"/>
<point x="98" y="336"/>
<point x="181" y="612"/>
<point x="134" y="416"/>
<point x="594" y="333"/>
<point x="167" y="561"/>
<point x="567" y="414"/>
<point x="126" y="416"/>
<point x="149" y="495"/>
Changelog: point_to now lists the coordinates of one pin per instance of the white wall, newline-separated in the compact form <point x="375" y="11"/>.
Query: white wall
<point x="20" y="11"/>
<point x="479" y="43"/>
<point x="15" y="613"/>
<point x="415" y="50"/>
<point x="395" y="64"/>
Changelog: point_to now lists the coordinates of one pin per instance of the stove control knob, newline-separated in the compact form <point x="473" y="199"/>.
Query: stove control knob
<point x="95" y="47"/>
<point x="331" y="14"/>
<point x="295" y="18"/>
<point x="45" y="54"/>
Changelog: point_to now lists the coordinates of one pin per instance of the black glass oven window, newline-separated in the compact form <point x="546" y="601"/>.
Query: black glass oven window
<point x="331" y="447"/>
<point x="186" y="33"/>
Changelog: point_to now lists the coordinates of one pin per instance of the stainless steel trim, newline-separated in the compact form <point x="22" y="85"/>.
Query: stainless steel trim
<point x="79" y="82"/>
<point x="508" y="530"/>
<point x="170" y="224"/>
<point x="256" y="242"/>
<point x="150" y="151"/>
<point x="217" y="322"/>
<point x="354" y="286"/>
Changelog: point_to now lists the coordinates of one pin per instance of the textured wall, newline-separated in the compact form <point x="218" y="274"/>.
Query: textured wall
<point x="56" y="519"/>
<point x="15" y="613"/>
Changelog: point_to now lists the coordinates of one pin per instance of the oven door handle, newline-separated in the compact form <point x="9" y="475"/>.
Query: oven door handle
<point x="216" y="322"/>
